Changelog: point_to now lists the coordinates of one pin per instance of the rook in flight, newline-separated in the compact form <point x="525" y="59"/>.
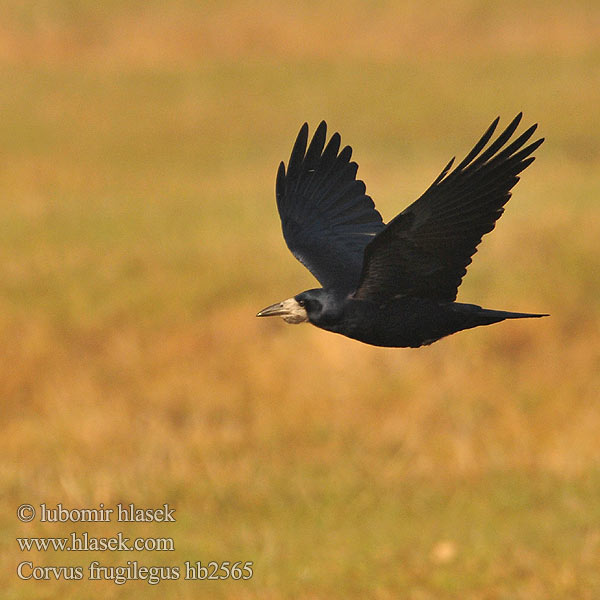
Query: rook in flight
<point x="396" y="284"/>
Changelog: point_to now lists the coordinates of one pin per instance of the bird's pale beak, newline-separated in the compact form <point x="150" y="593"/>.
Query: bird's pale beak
<point x="289" y="309"/>
<point x="275" y="310"/>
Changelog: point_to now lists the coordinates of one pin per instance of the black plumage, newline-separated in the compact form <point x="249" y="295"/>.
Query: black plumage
<point x="395" y="284"/>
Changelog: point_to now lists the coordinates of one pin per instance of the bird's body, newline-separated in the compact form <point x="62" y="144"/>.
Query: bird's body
<point x="398" y="322"/>
<point x="392" y="285"/>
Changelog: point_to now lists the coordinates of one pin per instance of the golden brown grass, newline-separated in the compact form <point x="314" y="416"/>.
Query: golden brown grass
<point x="139" y="145"/>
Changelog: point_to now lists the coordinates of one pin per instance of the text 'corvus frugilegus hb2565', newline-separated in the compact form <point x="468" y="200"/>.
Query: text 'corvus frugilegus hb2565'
<point x="395" y="284"/>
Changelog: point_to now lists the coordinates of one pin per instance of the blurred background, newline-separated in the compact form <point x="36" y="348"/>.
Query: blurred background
<point x="139" y="236"/>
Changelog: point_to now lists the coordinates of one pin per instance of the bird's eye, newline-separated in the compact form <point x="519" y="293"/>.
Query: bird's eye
<point x="302" y="303"/>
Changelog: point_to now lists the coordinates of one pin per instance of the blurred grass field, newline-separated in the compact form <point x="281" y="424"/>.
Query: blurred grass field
<point x="139" y="236"/>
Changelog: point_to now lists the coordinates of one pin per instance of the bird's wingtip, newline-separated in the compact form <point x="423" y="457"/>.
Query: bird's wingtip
<point x="532" y="128"/>
<point x="320" y="133"/>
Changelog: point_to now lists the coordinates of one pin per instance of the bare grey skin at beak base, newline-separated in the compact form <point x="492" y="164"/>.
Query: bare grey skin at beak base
<point x="289" y="309"/>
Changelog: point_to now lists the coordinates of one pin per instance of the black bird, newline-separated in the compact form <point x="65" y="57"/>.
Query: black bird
<point x="396" y="284"/>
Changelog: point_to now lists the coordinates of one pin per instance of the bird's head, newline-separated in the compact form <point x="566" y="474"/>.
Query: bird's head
<point x="307" y="306"/>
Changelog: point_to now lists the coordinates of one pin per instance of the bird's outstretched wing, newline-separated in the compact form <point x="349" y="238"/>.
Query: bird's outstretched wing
<point x="424" y="252"/>
<point x="326" y="217"/>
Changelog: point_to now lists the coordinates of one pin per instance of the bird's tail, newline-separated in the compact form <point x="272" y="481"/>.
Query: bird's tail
<point x="494" y="316"/>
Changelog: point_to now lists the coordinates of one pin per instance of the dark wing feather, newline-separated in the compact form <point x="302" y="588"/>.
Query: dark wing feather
<point x="425" y="250"/>
<point x="326" y="217"/>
